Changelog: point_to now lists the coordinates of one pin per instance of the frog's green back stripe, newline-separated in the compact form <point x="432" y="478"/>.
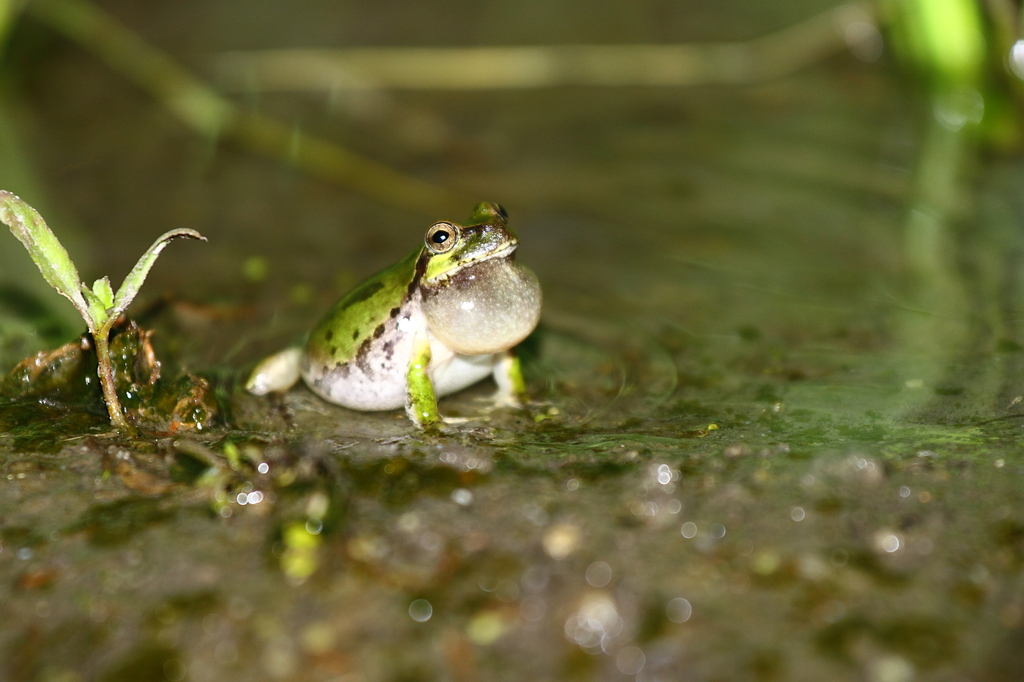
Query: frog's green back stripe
<point x="354" y="318"/>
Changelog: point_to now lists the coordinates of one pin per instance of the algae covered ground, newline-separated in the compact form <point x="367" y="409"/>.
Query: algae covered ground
<point x="777" y="417"/>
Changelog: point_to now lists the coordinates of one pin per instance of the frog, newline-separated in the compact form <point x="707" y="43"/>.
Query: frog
<point x="445" y="317"/>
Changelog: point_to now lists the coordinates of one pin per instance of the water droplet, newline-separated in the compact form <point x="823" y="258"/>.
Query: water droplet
<point x="535" y="578"/>
<point x="239" y="608"/>
<point x="174" y="670"/>
<point x="226" y="653"/>
<point x="766" y="562"/>
<point x="409" y="522"/>
<point x="595" y="624"/>
<point x="506" y="590"/>
<point x="689" y="529"/>
<point x="890" y="668"/>
<point x="561" y="540"/>
<point x="1017" y="59"/>
<point x="599" y="574"/>
<point x="532" y="608"/>
<point x="213" y="624"/>
<point x="833" y="611"/>
<point x="420" y="610"/>
<point x="678" y="610"/>
<point x="535" y="514"/>
<point x="630" y="660"/>
<point x="431" y="541"/>
<point x="864" y="40"/>
<point x="486" y="627"/>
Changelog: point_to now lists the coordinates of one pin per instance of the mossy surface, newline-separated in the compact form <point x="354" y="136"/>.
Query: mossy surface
<point x="763" y="443"/>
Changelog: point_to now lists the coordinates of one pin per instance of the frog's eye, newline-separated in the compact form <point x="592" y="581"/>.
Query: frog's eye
<point x="442" y="237"/>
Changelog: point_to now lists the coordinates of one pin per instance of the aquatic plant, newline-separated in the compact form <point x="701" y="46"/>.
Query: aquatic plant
<point x="99" y="306"/>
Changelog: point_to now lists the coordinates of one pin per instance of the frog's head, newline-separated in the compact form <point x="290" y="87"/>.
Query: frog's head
<point x="450" y="247"/>
<point x="477" y="298"/>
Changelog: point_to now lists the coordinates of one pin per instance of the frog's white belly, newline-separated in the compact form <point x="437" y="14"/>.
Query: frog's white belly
<point x="377" y="381"/>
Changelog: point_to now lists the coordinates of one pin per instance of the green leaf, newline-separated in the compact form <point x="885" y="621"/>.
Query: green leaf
<point x="97" y="310"/>
<point x="46" y="251"/>
<point x="101" y="288"/>
<point x="133" y="282"/>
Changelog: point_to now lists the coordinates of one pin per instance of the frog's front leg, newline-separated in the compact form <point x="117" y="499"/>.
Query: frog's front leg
<point x="508" y="374"/>
<point x="420" y="397"/>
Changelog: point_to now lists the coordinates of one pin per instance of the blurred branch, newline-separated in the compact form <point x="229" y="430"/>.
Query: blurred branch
<point x="202" y="108"/>
<point x="9" y="9"/>
<point x="849" y="26"/>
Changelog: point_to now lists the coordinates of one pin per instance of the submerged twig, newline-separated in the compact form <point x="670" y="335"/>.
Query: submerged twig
<point x="849" y="26"/>
<point x="203" y="109"/>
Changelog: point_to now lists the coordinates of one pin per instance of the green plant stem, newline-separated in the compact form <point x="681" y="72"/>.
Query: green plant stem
<point x="105" y="372"/>
<point x="204" y="109"/>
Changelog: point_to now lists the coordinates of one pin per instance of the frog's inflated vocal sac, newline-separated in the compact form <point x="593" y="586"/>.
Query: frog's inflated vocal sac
<point x="443" y="318"/>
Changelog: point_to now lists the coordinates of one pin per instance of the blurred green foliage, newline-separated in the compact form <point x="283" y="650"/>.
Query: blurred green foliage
<point x="944" y="39"/>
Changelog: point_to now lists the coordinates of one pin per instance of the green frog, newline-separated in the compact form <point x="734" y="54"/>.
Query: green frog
<point x="445" y="317"/>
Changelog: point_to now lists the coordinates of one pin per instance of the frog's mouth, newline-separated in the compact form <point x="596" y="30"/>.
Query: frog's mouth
<point x="505" y="252"/>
